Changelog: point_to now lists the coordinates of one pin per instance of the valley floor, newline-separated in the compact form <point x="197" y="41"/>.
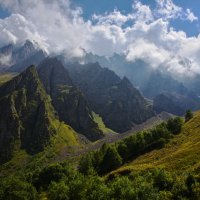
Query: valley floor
<point x="114" y="137"/>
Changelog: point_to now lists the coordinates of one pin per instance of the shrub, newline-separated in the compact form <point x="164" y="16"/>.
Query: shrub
<point x="51" y="173"/>
<point x="58" y="191"/>
<point x="111" y="160"/>
<point x="174" y="125"/>
<point x="16" y="189"/>
<point x="188" y="115"/>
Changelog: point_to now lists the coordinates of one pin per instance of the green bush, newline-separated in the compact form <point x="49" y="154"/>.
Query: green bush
<point x="58" y="191"/>
<point x="51" y="173"/>
<point x="15" y="189"/>
<point x="174" y="125"/>
<point x="111" y="160"/>
<point x="188" y="115"/>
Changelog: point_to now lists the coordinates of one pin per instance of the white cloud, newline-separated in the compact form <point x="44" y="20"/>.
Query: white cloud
<point x="16" y="29"/>
<point x="143" y="33"/>
<point x="168" y="10"/>
<point x="148" y="52"/>
<point x="116" y="17"/>
<point x="142" y="12"/>
<point x="53" y="24"/>
<point x="190" y="16"/>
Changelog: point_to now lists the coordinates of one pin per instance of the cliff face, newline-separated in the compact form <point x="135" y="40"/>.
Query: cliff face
<point x="68" y="101"/>
<point x="116" y="100"/>
<point x="25" y="115"/>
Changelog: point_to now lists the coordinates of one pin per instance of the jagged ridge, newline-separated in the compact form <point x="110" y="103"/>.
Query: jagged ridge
<point x="116" y="100"/>
<point x="68" y="101"/>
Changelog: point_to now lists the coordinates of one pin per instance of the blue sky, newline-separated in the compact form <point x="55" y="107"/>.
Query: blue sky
<point x="3" y="13"/>
<point x="95" y="6"/>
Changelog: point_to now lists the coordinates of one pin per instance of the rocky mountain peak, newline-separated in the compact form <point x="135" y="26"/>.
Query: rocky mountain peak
<point x="67" y="99"/>
<point x="25" y="115"/>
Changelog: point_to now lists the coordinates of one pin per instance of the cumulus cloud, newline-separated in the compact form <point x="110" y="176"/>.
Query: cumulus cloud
<point x="53" y="24"/>
<point x="16" y="29"/>
<point x="145" y="33"/>
<point x="168" y="10"/>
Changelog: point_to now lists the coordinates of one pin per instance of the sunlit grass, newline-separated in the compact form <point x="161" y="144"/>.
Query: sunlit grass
<point x="102" y="126"/>
<point x="182" y="153"/>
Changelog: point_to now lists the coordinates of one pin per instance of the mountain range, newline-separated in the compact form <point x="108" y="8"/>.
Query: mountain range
<point x="69" y="130"/>
<point x="38" y="98"/>
<point x="115" y="99"/>
<point x="152" y="82"/>
<point x="82" y="97"/>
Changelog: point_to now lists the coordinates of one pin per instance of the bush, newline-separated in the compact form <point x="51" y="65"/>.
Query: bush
<point x="51" y="173"/>
<point x="174" y="125"/>
<point x="58" y="191"/>
<point x="16" y="189"/>
<point x="121" y="188"/>
<point x="188" y="115"/>
<point x="111" y="160"/>
<point x="86" y="163"/>
<point x="163" y="180"/>
<point x="122" y="150"/>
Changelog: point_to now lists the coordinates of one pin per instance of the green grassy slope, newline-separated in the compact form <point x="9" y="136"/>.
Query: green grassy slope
<point x="182" y="153"/>
<point x="56" y="138"/>
<point x="101" y="125"/>
<point x="65" y="141"/>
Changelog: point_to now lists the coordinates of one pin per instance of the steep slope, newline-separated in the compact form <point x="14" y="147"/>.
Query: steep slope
<point x="27" y="118"/>
<point x="114" y="99"/>
<point x="181" y="154"/>
<point x="175" y="103"/>
<point x="68" y="101"/>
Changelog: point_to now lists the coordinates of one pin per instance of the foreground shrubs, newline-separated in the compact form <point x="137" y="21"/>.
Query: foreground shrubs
<point x="110" y="157"/>
<point x="62" y="182"/>
<point x="147" y="185"/>
<point x="16" y="189"/>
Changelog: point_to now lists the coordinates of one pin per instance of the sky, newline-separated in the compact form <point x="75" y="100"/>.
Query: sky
<point x="93" y="6"/>
<point x="90" y="7"/>
<point x="164" y="33"/>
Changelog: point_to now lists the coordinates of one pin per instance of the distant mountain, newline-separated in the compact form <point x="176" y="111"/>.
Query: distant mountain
<point x="26" y="115"/>
<point x="137" y="72"/>
<point x="159" y="82"/>
<point x="114" y="99"/>
<point x="193" y="83"/>
<point x="152" y="82"/>
<point x="17" y="58"/>
<point x="175" y="103"/>
<point x="68" y="101"/>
